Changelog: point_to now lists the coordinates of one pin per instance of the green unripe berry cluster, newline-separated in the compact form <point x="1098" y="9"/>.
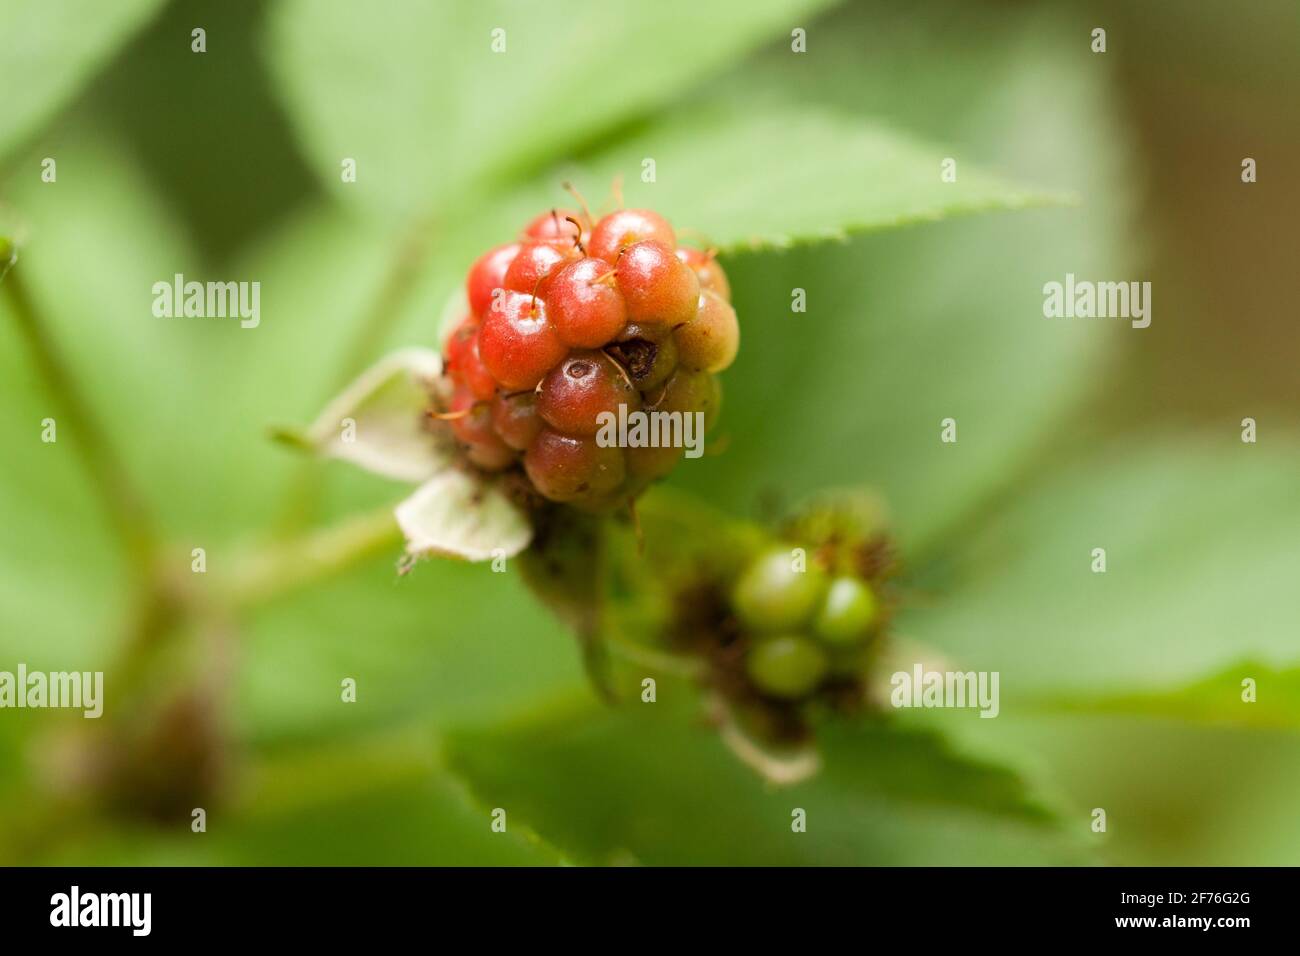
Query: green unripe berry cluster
<point x="803" y="623"/>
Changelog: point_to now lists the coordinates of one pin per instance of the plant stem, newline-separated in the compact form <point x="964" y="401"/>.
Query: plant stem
<point x="410" y="255"/>
<point x="408" y="259"/>
<point x="281" y="567"/>
<point x="124" y="507"/>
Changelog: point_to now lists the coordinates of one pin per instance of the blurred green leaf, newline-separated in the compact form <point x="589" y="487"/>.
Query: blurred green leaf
<point x="822" y="176"/>
<point x="1201" y="561"/>
<point x="8" y="255"/>
<point x="1175" y="794"/>
<point x="188" y="401"/>
<point x="98" y="241"/>
<point x="1215" y="700"/>
<point x="450" y="643"/>
<point x="641" y="785"/>
<point x="58" y="534"/>
<point x="377" y="801"/>
<point x="909" y="328"/>
<point x="415" y="94"/>
<point x="49" y="48"/>
<point x="856" y="390"/>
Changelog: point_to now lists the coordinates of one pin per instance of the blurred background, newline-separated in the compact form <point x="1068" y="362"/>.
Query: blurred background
<point x="1119" y="691"/>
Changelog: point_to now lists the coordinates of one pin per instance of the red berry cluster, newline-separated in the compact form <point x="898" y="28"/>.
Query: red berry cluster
<point x="576" y="319"/>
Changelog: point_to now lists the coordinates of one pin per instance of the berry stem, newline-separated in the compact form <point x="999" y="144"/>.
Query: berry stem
<point x="123" y="504"/>
<point x="565" y="568"/>
<point x="780" y="769"/>
<point x="282" y="567"/>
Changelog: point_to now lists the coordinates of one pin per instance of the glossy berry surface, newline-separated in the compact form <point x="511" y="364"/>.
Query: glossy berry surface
<point x="472" y="426"/>
<point x="847" y="614"/>
<point x="575" y="319"/>
<point x="517" y="342"/>
<point x="613" y="234"/>
<point x="656" y="285"/>
<point x="556" y="224"/>
<point x="780" y="591"/>
<point x="488" y="274"/>
<point x="536" y="263"/>
<point x="788" y="666"/>
<point x="709" y="342"/>
<point x="689" y="391"/>
<point x="515" y="419"/>
<point x="574" y="394"/>
<point x="464" y="362"/>
<point x="585" y="304"/>
<point x="707" y="270"/>
<point x="564" y="467"/>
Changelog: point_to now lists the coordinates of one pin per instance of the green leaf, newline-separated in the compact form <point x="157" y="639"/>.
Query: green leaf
<point x="1201" y="561"/>
<point x="823" y="176"/>
<point x="142" y="374"/>
<point x="8" y="256"/>
<point x="385" y="792"/>
<point x="97" y="316"/>
<point x="642" y="784"/>
<point x="856" y="391"/>
<point x="463" y="515"/>
<point x="379" y="421"/>
<point x="324" y="274"/>
<point x="1175" y="794"/>
<point x="48" y="49"/>
<point x="451" y="642"/>
<point x="907" y="328"/>
<point x="1217" y="699"/>
<point x="415" y="94"/>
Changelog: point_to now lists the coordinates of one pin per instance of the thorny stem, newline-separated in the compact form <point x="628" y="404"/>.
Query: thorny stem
<point x="124" y="507"/>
